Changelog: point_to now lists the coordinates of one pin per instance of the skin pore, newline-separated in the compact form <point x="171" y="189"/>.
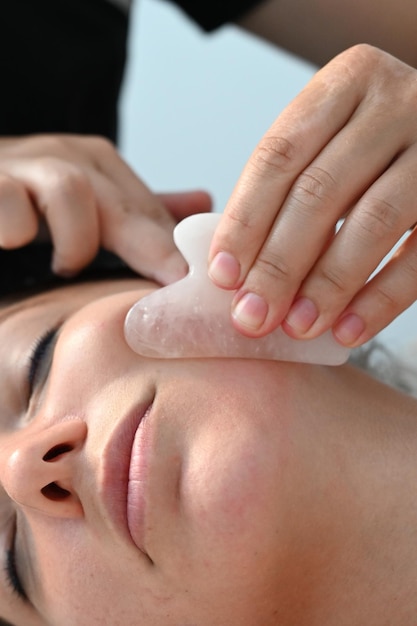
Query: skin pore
<point x="274" y="494"/>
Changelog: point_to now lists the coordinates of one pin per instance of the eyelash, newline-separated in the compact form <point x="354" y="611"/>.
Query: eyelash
<point x="11" y="573"/>
<point x="37" y="353"/>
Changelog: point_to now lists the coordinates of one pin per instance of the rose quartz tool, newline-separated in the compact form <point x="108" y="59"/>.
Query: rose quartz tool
<point x="191" y="318"/>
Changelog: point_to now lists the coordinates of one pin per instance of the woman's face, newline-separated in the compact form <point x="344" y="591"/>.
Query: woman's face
<point x="141" y="491"/>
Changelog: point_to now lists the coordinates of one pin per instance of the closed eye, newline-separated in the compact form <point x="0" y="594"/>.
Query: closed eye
<point x="11" y="573"/>
<point x="37" y="358"/>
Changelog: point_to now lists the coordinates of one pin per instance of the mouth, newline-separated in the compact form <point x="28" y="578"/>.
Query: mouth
<point x="125" y="469"/>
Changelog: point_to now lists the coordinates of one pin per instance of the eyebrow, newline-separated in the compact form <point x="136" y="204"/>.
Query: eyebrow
<point x="11" y="309"/>
<point x="18" y="307"/>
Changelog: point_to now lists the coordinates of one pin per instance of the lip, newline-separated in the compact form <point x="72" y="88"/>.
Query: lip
<point x="124" y="475"/>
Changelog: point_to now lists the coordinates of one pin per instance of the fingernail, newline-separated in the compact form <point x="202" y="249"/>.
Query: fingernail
<point x="251" y="311"/>
<point x="349" y="329"/>
<point x="224" y="270"/>
<point x="302" y="315"/>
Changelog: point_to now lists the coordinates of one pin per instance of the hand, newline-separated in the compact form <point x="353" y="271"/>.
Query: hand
<point x="346" y="146"/>
<point x="87" y="196"/>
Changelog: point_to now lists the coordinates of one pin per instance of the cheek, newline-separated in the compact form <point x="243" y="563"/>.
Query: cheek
<point x="231" y="484"/>
<point x="222" y="485"/>
<point x="232" y="531"/>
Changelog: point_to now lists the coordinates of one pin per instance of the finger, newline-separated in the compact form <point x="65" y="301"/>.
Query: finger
<point x="133" y="214"/>
<point x="352" y="159"/>
<point x="374" y="226"/>
<point x="114" y="169"/>
<point x="323" y="192"/>
<point x="18" y="219"/>
<point x="64" y="197"/>
<point x="183" y="204"/>
<point x="382" y="299"/>
<point x="291" y="144"/>
<point x="146" y="244"/>
<point x="134" y="222"/>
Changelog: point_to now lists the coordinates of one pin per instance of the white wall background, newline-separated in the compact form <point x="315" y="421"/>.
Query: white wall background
<point x="194" y="107"/>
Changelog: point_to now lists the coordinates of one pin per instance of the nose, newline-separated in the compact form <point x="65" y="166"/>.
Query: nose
<point x="40" y="471"/>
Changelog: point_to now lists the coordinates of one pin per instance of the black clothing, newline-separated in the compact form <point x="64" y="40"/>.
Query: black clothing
<point x="28" y="269"/>
<point x="61" y="66"/>
<point x="62" y="62"/>
<point x="211" y="15"/>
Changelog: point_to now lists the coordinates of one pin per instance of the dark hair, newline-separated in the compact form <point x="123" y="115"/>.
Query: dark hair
<point x="29" y="268"/>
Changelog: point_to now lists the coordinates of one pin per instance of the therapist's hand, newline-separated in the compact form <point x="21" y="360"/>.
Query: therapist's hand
<point x="78" y="191"/>
<point x="346" y="146"/>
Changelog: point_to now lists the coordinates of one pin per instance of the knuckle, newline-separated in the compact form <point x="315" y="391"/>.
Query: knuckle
<point x="274" y="267"/>
<point x="75" y="183"/>
<point x="365" y="53"/>
<point x="334" y="278"/>
<point x="275" y="155"/>
<point x="313" y="187"/>
<point x="386" y="298"/>
<point x="361" y="57"/>
<point x="100" y="145"/>
<point x="239" y="216"/>
<point x="410" y="264"/>
<point x="119" y="217"/>
<point x="62" y="178"/>
<point x="378" y="218"/>
<point x="124" y="208"/>
<point x="238" y="222"/>
<point x="351" y="67"/>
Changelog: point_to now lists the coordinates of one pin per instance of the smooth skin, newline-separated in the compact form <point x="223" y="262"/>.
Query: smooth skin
<point x="264" y="506"/>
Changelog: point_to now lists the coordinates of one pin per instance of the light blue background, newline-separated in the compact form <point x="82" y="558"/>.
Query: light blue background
<point x="194" y="107"/>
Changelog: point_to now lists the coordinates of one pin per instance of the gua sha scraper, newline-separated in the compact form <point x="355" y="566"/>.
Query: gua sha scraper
<point x="191" y="318"/>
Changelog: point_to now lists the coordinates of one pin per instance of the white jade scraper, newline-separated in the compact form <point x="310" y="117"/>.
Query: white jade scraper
<point x="191" y="318"/>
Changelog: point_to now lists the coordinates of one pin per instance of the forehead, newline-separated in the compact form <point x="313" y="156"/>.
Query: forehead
<point x="13" y="305"/>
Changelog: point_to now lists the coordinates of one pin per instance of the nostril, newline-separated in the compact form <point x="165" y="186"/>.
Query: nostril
<point x="56" y="451"/>
<point x="55" y="492"/>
